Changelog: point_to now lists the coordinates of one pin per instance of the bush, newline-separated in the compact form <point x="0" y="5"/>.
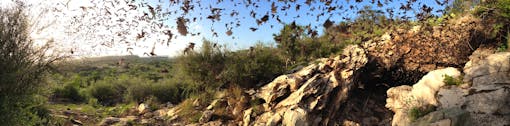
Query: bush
<point x="496" y="15"/>
<point x="214" y="67"/>
<point x="167" y="92"/>
<point x="69" y="92"/>
<point x="201" y="68"/>
<point x="107" y="93"/>
<point x="248" y="69"/>
<point x="22" y="68"/>
<point x="163" y="91"/>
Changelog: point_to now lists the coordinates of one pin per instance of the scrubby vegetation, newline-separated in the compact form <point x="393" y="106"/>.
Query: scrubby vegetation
<point x="22" y="69"/>
<point x="111" y="86"/>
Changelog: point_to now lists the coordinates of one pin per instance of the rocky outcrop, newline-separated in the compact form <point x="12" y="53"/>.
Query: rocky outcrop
<point x="321" y="93"/>
<point x="311" y="96"/>
<point x="402" y="99"/>
<point x="482" y="101"/>
<point x="488" y="98"/>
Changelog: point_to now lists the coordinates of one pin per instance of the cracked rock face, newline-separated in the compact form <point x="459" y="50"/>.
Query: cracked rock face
<point x="488" y="100"/>
<point x="312" y="95"/>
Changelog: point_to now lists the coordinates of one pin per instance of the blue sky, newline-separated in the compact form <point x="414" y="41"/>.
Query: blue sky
<point x="86" y="42"/>
<point x="244" y="37"/>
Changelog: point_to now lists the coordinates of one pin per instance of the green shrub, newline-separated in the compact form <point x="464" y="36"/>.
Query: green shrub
<point x="163" y="91"/>
<point x="201" y="68"/>
<point x="139" y="93"/>
<point x="247" y="69"/>
<point x="449" y="80"/>
<point x="69" y="92"/>
<point x="496" y="15"/>
<point x="167" y="92"/>
<point x="107" y="93"/>
<point x="417" y="112"/>
<point x="22" y="69"/>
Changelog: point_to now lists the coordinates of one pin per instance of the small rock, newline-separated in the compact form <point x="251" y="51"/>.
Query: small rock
<point x="444" y="122"/>
<point x="143" y="108"/>
<point x="350" y="123"/>
<point x="247" y="117"/>
<point x="160" y="112"/>
<point x="452" y="116"/>
<point x="109" y="121"/>
<point x="76" y="122"/>
<point x="196" y="103"/>
<point x="206" y="116"/>
<point x="295" y="117"/>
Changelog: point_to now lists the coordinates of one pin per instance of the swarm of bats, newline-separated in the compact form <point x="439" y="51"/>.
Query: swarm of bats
<point x="156" y="15"/>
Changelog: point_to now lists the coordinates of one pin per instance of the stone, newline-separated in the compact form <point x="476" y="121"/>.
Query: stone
<point x="290" y="99"/>
<point x="350" y="123"/>
<point x="142" y="108"/>
<point x="444" y="117"/>
<point x="295" y="117"/>
<point x="172" y="113"/>
<point x="274" y="120"/>
<point x="206" y="116"/>
<point x="444" y="122"/>
<point x="76" y="122"/>
<point x="428" y="86"/>
<point x="216" y="103"/>
<point x="247" y="117"/>
<point x="161" y="112"/>
<point x="109" y="121"/>
<point x="494" y="69"/>
<point x="490" y="102"/>
<point x="125" y="120"/>
<point x="277" y="88"/>
<point x="450" y="97"/>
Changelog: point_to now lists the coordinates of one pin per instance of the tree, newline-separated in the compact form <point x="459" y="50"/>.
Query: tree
<point x="22" y="67"/>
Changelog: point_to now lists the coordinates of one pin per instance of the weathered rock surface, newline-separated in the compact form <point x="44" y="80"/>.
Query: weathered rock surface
<point x="444" y="117"/>
<point x="488" y="98"/>
<point x="484" y="103"/>
<point x="321" y="93"/>
<point x="109" y="121"/>
<point x="403" y="98"/>
<point x="312" y="95"/>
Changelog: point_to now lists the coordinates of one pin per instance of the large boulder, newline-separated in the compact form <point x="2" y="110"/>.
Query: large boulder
<point x="312" y="95"/>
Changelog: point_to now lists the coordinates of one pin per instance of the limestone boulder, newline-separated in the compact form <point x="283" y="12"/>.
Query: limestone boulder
<point x="312" y="95"/>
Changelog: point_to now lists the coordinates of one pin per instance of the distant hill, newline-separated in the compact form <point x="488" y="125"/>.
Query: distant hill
<point x="105" y="62"/>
